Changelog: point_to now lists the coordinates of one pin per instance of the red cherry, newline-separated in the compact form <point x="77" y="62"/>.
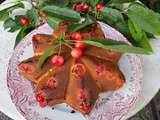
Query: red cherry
<point x="99" y="6"/>
<point x="79" y="45"/>
<point x="85" y="6"/>
<point x="76" y="53"/>
<point x="76" y="36"/>
<point x="24" y="21"/>
<point x="77" y="6"/>
<point x="58" y="60"/>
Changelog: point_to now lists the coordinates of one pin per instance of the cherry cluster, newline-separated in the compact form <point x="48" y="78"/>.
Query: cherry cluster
<point x="77" y="50"/>
<point x="84" y="7"/>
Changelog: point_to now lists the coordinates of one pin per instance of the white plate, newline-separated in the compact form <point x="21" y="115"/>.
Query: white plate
<point x="110" y="106"/>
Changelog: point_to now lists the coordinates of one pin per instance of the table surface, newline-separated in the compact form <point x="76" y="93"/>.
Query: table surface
<point x="150" y="84"/>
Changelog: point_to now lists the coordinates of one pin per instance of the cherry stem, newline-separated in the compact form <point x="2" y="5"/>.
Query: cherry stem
<point x="60" y="48"/>
<point x="68" y="45"/>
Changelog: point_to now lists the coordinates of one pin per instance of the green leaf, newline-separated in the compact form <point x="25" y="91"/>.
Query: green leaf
<point x="62" y="13"/>
<point x="33" y="16"/>
<point x="114" y="18"/>
<point x="122" y="1"/>
<point x="145" y="18"/>
<point x="45" y="56"/>
<point x="4" y="13"/>
<point x="78" y="26"/>
<point x="52" y="21"/>
<point x="22" y="33"/>
<point x="61" y="3"/>
<point x="140" y="37"/>
<point x="116" y="46"/>
<point x="93" y="2"/>
<point x="11" y="25"/>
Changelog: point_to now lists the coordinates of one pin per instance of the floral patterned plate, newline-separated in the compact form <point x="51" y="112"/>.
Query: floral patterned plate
<point x="109" y="106"/>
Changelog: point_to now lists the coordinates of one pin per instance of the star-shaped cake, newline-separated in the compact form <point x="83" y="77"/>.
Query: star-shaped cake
<point x="78" y="82"/>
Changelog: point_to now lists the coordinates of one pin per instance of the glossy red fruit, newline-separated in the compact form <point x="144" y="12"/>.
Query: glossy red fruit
<point x="76" y="53"/>
<point x="79" y="45"/>
<point x="24" y="21"/>
<point x="85" y="6"/>
<point x="76" y="36"/>
<point x="99" y="6"/>
<point x="57" y="60"/>
<point x="78" y="6"/>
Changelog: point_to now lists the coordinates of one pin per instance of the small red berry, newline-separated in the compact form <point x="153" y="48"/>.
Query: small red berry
<point x="58" y="60"/>
<point x="24" y="21"/>
<point x="77" y="6"/>
<point x="79" y="45"/>
<point x="85" y="6"/>
<point x="99" y="6"/>
<point x="76" y="53"/>
<point x="76" y="36"/>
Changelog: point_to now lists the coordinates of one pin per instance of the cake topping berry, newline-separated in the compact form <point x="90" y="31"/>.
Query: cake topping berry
<point x="57" y="60"/>
<point x="99" y="6"/>
<point x="76" y="53"/>
<point x="51" y="82"/>
<point x="76" y="36"/>
<point x="24" y="21"/>
<point x="79" y="45"/>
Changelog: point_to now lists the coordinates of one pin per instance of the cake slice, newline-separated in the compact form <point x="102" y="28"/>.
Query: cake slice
<point x="106" y="74"/>
<point x="53" y="85"/>
<point x="82" y="91"/>
<point x="27" y="68"/>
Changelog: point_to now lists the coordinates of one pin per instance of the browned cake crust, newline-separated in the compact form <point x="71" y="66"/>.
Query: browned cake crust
<point x="77" y="82"/>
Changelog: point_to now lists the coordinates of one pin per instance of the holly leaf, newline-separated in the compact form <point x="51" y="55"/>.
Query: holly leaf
<point x="145" y="18"/>
<point x="33" y="16"/>
<point x="78" y="26"/>
<point x="22" y="33"/>
<point x="53" y="21"/>
<point x="45" y="56"/>
<point x="116" y="46"/>
<point x="140" y="37"/>
<point x="62" y="13"/>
